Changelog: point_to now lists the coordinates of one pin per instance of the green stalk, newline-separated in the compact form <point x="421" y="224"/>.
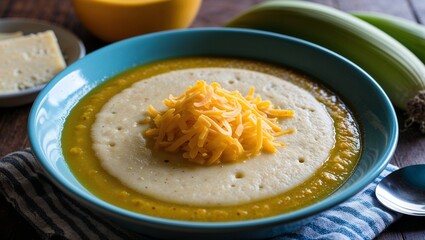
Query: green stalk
<point x="398" y="71"/>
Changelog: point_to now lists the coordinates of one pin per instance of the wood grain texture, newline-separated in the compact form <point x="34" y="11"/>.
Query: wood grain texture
<point x="400" y="8"/>
<point x="418" y="7"/>
<point x="213" y="13"/>
<point x="13" y="129"/>
<point x="216" y="13"/>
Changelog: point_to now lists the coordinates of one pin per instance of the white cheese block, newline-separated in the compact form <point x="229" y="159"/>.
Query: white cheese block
<point x="29" y="61"/>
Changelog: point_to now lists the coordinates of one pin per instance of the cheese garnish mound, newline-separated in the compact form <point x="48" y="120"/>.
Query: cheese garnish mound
<point x="211" y="125"/>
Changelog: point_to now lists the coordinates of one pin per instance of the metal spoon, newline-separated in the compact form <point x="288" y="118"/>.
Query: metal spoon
<point x="404" y="190"/>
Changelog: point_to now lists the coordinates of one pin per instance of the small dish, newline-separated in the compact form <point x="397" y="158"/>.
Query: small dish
<point x="71" y="46"/>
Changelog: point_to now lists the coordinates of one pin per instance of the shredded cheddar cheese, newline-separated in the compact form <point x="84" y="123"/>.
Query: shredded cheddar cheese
<point x="209" y="125"/>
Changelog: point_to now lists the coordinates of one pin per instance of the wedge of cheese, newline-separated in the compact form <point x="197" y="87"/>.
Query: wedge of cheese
<point x="29" y="61"/>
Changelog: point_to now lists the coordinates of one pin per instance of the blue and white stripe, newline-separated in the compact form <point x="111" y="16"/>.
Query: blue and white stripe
<point x="53" y="214"/>
<point x="360" y="217"/>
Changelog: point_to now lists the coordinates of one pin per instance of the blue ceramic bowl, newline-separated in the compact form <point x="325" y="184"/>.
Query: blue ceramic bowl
<point x="372" y="109"/>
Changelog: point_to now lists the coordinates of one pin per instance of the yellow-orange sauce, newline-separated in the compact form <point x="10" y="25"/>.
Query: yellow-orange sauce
<point x="78" y="152"/>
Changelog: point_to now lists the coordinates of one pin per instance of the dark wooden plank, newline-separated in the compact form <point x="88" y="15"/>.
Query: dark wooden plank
<point x="21" y="8"/>
<point x="13" y="129"/>
<point x="400" y="8"/>
<point x="331" y="3"/>
<point x="410" y="146"/>
<point x="419" y="10"/>
<point x="217" y="13"/>
<point x="57" y="12"/>
<point x="406" y="228"/>
<point x="4" y="6"/>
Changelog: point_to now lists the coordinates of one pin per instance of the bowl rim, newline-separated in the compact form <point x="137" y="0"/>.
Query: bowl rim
<point x="289" y="217"/>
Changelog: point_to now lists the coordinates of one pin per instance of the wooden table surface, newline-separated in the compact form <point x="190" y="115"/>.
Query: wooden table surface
<point x="13" y="121"/>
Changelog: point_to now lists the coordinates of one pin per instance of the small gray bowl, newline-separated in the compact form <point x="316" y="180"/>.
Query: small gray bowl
<point x="71" y="46"/>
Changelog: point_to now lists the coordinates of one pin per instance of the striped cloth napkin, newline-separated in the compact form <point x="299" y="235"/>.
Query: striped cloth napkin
<point x="55" y="215"/>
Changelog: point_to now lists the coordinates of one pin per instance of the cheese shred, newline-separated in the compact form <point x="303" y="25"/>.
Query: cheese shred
<point x="209" y="125"/>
